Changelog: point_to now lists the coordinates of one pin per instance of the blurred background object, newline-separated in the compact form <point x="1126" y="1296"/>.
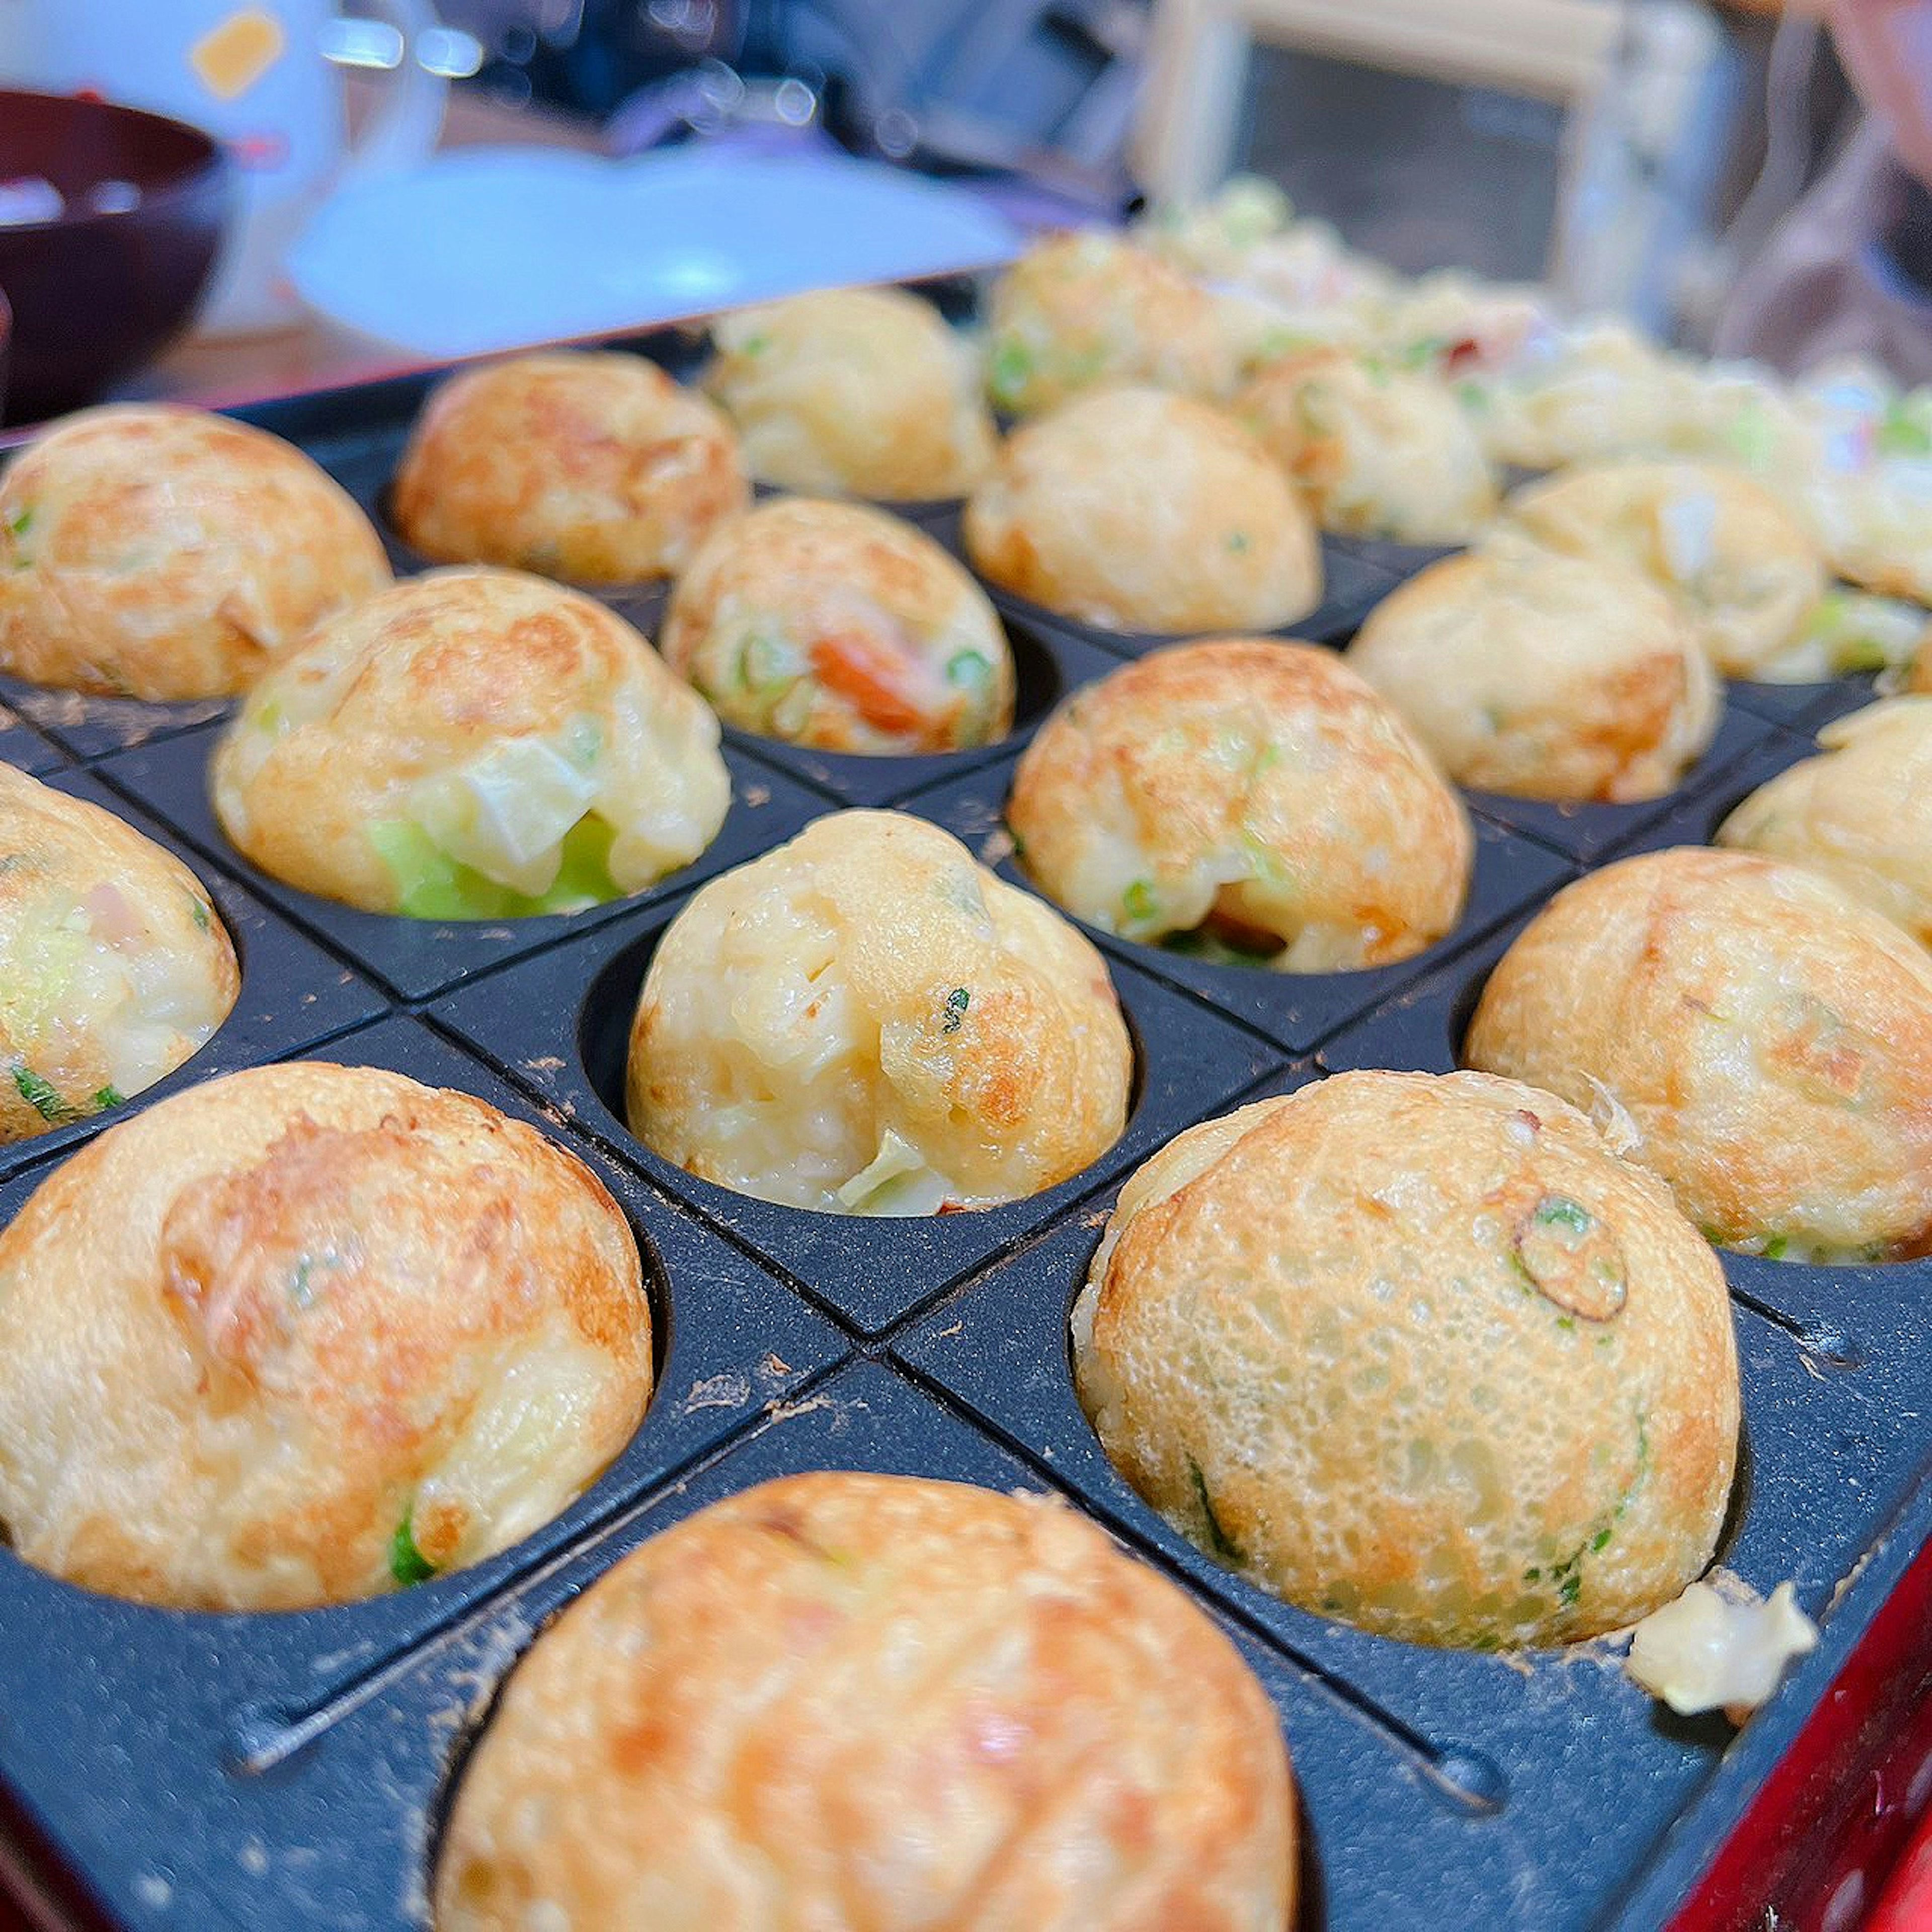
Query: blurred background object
<point x="259" y="78"/>
<point x="109" y="220"/>
<point x="1641" y="157"/>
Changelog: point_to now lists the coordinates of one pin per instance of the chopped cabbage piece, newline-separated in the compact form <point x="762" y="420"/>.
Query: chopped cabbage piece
<point x="431" y="884"/>
<point x="1686" y="528"/>
<point x="897" y="1182"/>
<point x="504" y="813"/>
<point x="1706" y="1652"/>
<point x="1852" y="630"/>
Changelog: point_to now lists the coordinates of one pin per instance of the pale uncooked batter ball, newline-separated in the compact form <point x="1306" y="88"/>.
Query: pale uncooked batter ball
<point x="866" y="1021"/>
<point x="308" y="1333"/>
<point x="1743" y="569"/>
<point x="161" y="553"/>
<point x="1092" y="311"/>
<point x="474" y="744"/>
<point x="1254" y="797"/>
<point x="114" y="967"/>
<point x="596" y="467"/>
<point x="1765" y="1041"/>
<point x="845" y="1701"/>
<point x="1377" y="451"/>
<point x="1860" y="812"/>
<point x="835" y="625"/>
<point x="1136" y="510"/>
<point x="1543" y="676"/>
<point x="854" y="392"/>
<point x="1420" y="1353"/>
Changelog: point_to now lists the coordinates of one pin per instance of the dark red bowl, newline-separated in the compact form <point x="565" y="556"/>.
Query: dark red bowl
<point x="98" y="290"/>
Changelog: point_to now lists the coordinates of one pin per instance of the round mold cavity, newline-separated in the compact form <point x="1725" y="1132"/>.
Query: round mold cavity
<point x="640" y="604"/>
<point x="1461" y="1013"/>
<point x="604" y="1042"/>
<point x="1486" y="1780"/>
<point x="1225" y="964"/>
<point x="258" y="1725"/>
<point x="1038" y="687"/>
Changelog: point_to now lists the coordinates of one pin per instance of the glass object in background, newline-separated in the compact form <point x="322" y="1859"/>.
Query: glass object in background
<point x="256" y="74"/>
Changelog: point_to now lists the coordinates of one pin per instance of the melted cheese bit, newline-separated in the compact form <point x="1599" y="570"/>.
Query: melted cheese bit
<point x="1706" y="1652"/>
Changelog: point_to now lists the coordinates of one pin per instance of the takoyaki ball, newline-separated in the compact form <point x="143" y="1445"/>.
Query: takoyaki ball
<point x="836" y="626"/>
<point x="1543" y="676"/>
<point x="860" y="1701"/>
<point x="165" y="553"/>
<point x="1134" y="510"/>
<point x="473" y="744"/>
<point x="854" y="392"/>
<point x="1419" y="1352"/>
<point x="1740" y="565"/>
<point x="1586" y="392"/>
<point x="1765" y="1041"/>
<point x="114" y="967"/>
<point x="1377" y="451"/>
<point x="593" y="466"/>
<point x="305" y="1334"/>
<point x="1092" y="311"/>
<point x="1860" y="812"/>
<point x="1253" y="798"/>
<point x="866" y="1021"/>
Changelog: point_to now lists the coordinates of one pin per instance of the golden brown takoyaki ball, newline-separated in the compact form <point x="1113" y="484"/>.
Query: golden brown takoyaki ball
<point x="1860" y="812"/>
<point x="1767" y="1040"/>
<point x="1742" y="569"/>
<point x="866" y="1021"/>
<point x="1421" y="1353"/>
<point x="306" y="1334"/>
<point x="1136" y="510"/>
<point x="1377" y="451"/>
<point x="834" y="625"/>
<point x="846" y="1700"/>
<point x="473" y="744"/>
<point x="1091" y="310"/>
<point x="1543" y="676"/>
<point x="854" y="392"/>
<point x="594" y="466"/>
<point x="1249" y="794"/>
<point x="160" y="553"/>
<point x="114" y="967"/>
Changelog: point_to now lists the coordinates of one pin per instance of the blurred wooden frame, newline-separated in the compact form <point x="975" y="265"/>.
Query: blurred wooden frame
<point x="1199" y="53"/>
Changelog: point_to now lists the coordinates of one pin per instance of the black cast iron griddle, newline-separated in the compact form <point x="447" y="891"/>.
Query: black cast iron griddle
<point x="164" y="1769"/>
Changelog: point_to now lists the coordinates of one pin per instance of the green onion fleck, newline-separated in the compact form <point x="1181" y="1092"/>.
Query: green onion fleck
<point x="1900" y="434"/>
<point x="755" y="345"/>
<point x="1237" y="540"/>
<point x="407" y="1563"/>
<point x="106" y="1097"/>
<point x="1558" y="1211"/>
<point x="967" y="667"/>
<point x="1219" y="1542"/>
<point x="957" y="1001"/>
<point x="198" y="913"/>
<point x="301" y="1292"/>
<point x="21" y="520"/>
<point x="1012" y="371"/>
<point x="41" y="1097"/>
<point x="1778" y="1247"/>
<point x="1139" y="901"/>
